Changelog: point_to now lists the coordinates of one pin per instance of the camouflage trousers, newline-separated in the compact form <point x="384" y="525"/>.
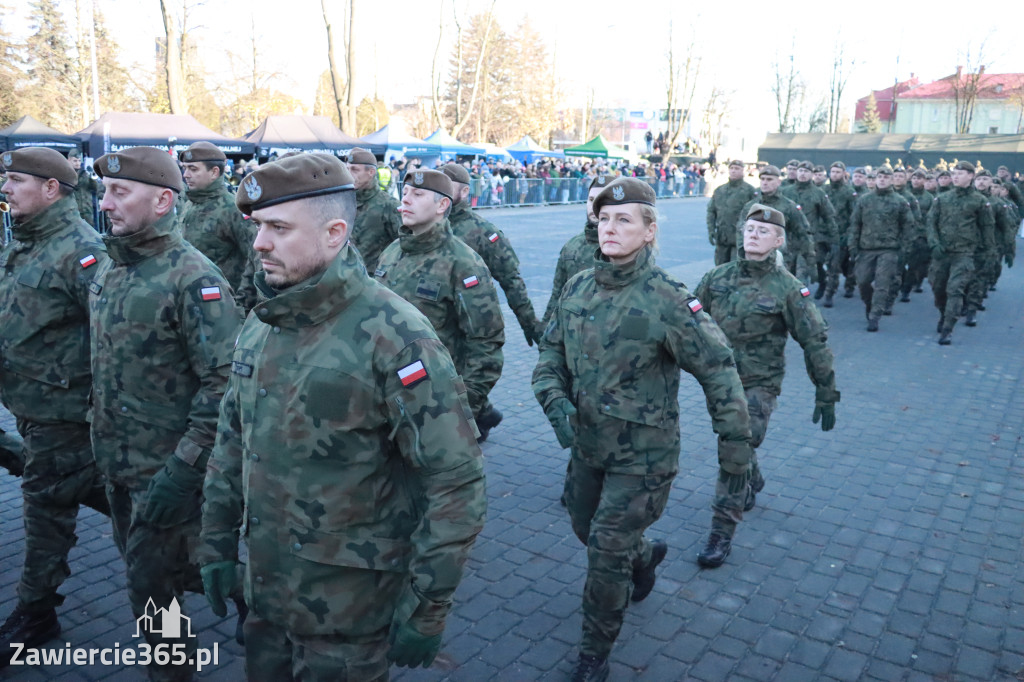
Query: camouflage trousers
<point x="159" y="568"/>
<point x="60" y="474"/>
<point x="838" y="264"/>
<point x="949" y="277"/>
<point x="986" y="272"/>
<point x="12" y="457"/>
<point x="826" y="254"/>
<point x="272" y="654"/>
<point x="609" y="514"/>
<point x="917" y="265"/>
<point x="726" y="253"/>
<point x="730" y="489"/>
<point x="877" y="274"/>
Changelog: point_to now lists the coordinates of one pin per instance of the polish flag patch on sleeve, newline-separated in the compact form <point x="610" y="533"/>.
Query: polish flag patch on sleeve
<point x="694" y="305"/>
<point x="411" y="374"/>
<point x="87" y="261"/>
<point x="210" y="293"/>
<point x="493" y="237"/>
<point x="805" y="292"/>
<point x="471" y="281"/>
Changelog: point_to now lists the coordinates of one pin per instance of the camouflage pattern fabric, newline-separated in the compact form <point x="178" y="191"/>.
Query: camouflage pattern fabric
<point x="12" y="455"/>
<point x="918" y="254"/>
<point x="878" y="273"/>
<point x="798" y="232"/>
<point x="499" y="256"/>
<point x="950" y="275"/>
<point x="213" y="224"/>
<point x="87" y="196"/>
<point x="576" y="256"/>
<point x="347" y="446"/>
<point x="843" y="197"/>
<point x="449" y="283"/>
<point x="821" y="221"/>
<point x="377" y="224"/>
<point x="879" y="227"/>
<point x="724" y="213"/>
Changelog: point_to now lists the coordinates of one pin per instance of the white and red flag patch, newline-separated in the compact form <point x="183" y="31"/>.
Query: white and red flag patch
<point x="493" y="237"/>
<point x="87" y="261"/>
<point x="804" y="291"/>
<point x="471" y="281"/>
<point x="210" y="293"/>
<point x="694" y="305"/>
<point x="410" y="374"/>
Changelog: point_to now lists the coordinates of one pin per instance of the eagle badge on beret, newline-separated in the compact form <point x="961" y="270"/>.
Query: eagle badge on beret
<point x="418" y="179"/>
<point x="8" y="159"/>
<point x="252" y="188"/>
<point x="188" y="155"/>
<point x="602" y="179"/>
<point x="767" y="215"/>
<point x="113" y="165"/>
<point x="618" y="193"/>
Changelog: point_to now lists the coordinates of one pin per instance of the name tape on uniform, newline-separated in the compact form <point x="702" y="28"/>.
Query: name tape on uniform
<point x="411" y="374"/>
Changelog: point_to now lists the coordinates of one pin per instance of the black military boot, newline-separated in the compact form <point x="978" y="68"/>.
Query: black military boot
<point x="820" y="292"/>
<point x="848" y="292"/>
<point x="590" y="669"/>
<point x="30" y="628"/>
<point x="243" y="612"/>
<point x="643" y="577"/>
<point x="946" y="337"/>
<point x="969" y="319"/>
<point x="905" y="298"/>
<point x="941" y="324"/>
<point x="828" y="300"/>
<point x="872" y="325"/>
<point x="751" y="501"/>
<point x="487" y="421"/>
<point x="714" y="553"/>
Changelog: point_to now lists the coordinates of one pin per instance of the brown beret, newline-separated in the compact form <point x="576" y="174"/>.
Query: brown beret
<point x="997" y="181"/>
<point x="964" y="166"/>
<point x="883" y="170"/>
<point x="202" y="151"/>
<point x="944" y="173"/>
<point x="456" y="172"/>
<point x="838" y="164"/>
<point x="75" y="154"/>
<point x="148" y="165"/>
<point x="807" y="165"/>
<point x="625" y="191"/>
<point x="769" y="170"/>
<point x="435" y="181"/>
<point x="793" y="162"/>
<point x="766" y="214"/>
<point x="600" y="182"/>
<point x="736" y="162"/>
<point x="362" y="156"/>
<point x="1003" y="168"/>
<point x="291" y="178"/>
<point x="984" y="172"/>
<point x="819" y="169"/>
<point x="41" y="162"/>
<point x="919" y="173"/>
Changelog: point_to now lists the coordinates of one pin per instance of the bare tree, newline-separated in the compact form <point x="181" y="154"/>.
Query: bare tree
<point x="965" y="88"/>
<point x="713" y="117"/>
<point x="335" y="72"/>
<point x="681" y="87"/>
<point x="435" y="75"/>
<point x="837" y="83"/>
<point x="351" y="104"/>
<point x="172" y="62"/>
<point x="462" y="116"/>
<point x="789" y="92"/>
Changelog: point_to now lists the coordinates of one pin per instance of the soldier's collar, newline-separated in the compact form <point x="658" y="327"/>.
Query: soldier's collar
<point x="48" y="222"/>
<point x="146" y="243"/>
<point x="214" y="189"/>
<point x="315" y="300"/>
<point x="612" y="276"/>
<point x="426" y="241"/>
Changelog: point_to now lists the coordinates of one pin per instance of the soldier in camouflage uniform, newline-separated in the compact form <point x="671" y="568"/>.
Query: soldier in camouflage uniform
<point x="724" y="212"/>
<point x="345" y="447"/>
<point x="878" y="228"/>
<point x="986" y="260"/>
<point x="819" y="177"/>
<point x="377" y="212"/>
<point x="88" y="192"/>
<point x="608" y="381"/>
<point x="820" y="216"/>
<point x="842" y="196"/>
<point x="799" y="241"/>
<point x="944" y="180"/>
<point x="211" y="223"/>
<point x="757" y="304"/>
<point x="44" y="377"/>
<point x="960" y="223"/>
<point x="917" y="252"/>
<point x="496" y="250"/>
<point x="1014" y="195"/>
<point x="578" y="253"/>
<point x="450" y="284"/>
<point x="163" y="322"/>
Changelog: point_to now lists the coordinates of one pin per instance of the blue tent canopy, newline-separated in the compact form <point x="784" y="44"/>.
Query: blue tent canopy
<point x="396" y="144"/>
<point x="527" y="150"/>
<point x="450" y="146"/>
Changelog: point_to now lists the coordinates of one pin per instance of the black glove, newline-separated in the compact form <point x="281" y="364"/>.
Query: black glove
<point x="558" y="413"/>
<point x="826" y="412"/>
<point x="173" y="493"/>
<point x="410" y="648"/>
<point x="1008" y="259"/>
<point x="219" y="579"/>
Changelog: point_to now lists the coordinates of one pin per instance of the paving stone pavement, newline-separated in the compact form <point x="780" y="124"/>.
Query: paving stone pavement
<point x="888" y="549"/>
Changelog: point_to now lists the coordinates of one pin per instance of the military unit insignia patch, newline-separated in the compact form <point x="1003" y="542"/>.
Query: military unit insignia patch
<point x="618" y="193"/>
<point x="8" y="159"/>
<point x="805" y="292"/>
<point x="113" y="165"/>
<point x="493" y="237"/>
<point x="694" y="305"/>
<point x="252" y="188"/>
<point x="471" y="281"/>
<point x="418" y="178"/>
<point x="188" y="155"/>
<point x="412" y="374"/>
<point x="210" y="293"/>
<point x="87" y="261"/>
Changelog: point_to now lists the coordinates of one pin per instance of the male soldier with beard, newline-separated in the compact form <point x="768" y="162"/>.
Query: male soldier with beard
<point x="377" y="217"/>
<point x="496" y="250"/>
<point x="724" y="212"/>
<point x="578" y="253"/>
<point x="798" y="237"/>
<point x="842" y="197"/>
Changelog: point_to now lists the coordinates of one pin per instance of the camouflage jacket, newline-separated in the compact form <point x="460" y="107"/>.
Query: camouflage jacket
<point x="500" y="258"/>
<point x="1016" y="197"/>
<point x="1004" y="216"/>
<point x="347" y="447"/>
<point x="213" y="224"/>
<point x="377" y="224"/>
<point x="843" y="196"/>
<point x="162" y="321"/>
<point x="614" y="346"/>
<point x="817" y="209"/>
<point x="87" y="195"/>
<point x="961" y="221"/>
<point x="724" y="210"/>
<point x="576" y="256"/>
<point x="917" y="218"/>
<point x="924" y="203"/>
<point x="449" y="283"/>
<point x="757" y="304"/>
<point x="881" y="220"/>
<point x="799" y="240"/>
<point x="44" y="305"/>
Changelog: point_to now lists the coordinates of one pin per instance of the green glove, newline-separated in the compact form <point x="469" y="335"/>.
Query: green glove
<point x="409" y="648"/>
<point x="826" y="412"/>
<point x="219" y="580"/>
<point x="1008" y="258"/>
<point x="558" y="414"/>
<point x="173" y="493"/>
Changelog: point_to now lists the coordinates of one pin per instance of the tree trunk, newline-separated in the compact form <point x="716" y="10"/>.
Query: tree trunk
<point x="351" y="104"/>
<point x="335" y="75"/>
<point x="457" y="128"/>
<point x="172" y="66"/>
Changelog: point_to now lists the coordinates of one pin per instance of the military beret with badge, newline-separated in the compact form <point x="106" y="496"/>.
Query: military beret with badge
<point x="435" y="181"/>
<point x="625" y="191"/>
<point x="292" y="178"/>
<point x="766" y="214"/>
<point x="148" y="165"/>
<point x="769" y="170"/>
<point x="202" y="151"/>
<point x="362" y="156"/>
<point x="42" y="162"/>
<point x="456" y="172"/>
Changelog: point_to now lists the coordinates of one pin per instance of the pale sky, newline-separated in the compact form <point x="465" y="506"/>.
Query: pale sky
<point x="618" y="49"/>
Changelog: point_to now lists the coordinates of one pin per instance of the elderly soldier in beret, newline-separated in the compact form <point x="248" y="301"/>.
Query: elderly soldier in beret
<point x="608" y="379"/>
<point x="842" y="196"/>
<point x="724" y="212"/>
<point x="757" y="304"/>
<point x="578" y="253"/>
<point x="960" y="223"/>
<point x="87" y="191"/>
<point x="878" y="228"/>
<point x="450" y="284"/>
<point x="45" y="378"/>
<point x="799" y="235"/>
<point x="345" y="447"/>
<point x="496" y="250"/>
<point x="377" y="217"/>
<point x="163" y="321"/>
<point x="212" y="224"/>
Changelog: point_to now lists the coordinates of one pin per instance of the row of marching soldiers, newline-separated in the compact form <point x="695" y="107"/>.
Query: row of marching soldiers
<point x="885" y="230"/>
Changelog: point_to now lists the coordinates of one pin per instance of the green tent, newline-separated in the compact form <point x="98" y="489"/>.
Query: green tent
<point x="597" y="148"/>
